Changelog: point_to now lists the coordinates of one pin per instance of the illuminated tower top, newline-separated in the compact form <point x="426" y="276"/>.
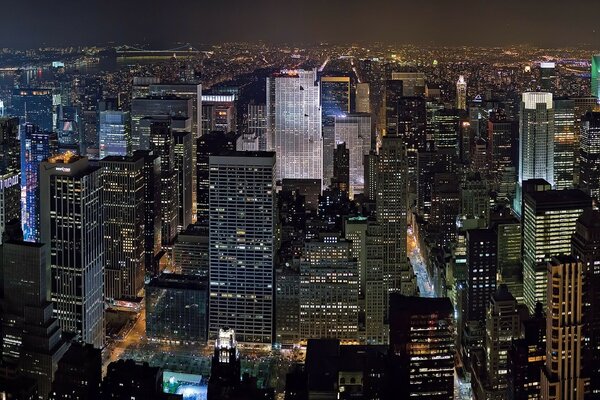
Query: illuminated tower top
<point x="461" y="93"/>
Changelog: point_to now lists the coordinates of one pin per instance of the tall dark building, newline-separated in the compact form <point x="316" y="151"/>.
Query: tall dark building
<point x="526" y="358"/>
<point x="123" y="198"/>
<point x="152" y="210"/>
<point x="590" y="154"/>
<point x="212" y="143"/>
<point x="482" y="248"/>
<point x="392" y="95"/>
<point x="32" y="339"/>
<point x="341" y="168"/>
<point x="162" y="144"/>
<point x="502" y="140"/>
<point x="183" y="166"/>
<point x="412" y="121"/>
<point x="422" y="341"/>
<point x="586" y="248"/>
<point x="10" y="171"/>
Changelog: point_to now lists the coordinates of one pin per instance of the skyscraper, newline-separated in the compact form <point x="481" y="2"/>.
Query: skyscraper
<point x="335" y="102"/>
<point x="255" y="136"/>
<point x="31" y="336"/>
<point x="162" y="144"/>
<point x="548" y="77"/>
<point x="392" y="95"/>
<point x="446" y="129"/>
<point x="565" y="143"/>
<point x="461" y="93"/>
<point x="36" y="146"/>
<point x="548" y="223"/>
<point x="155" y="107"/>
<point x="363" y="96"/>
<point x="536" y="137"/>
<point x="355" y="131"/>
<point x="422" y="341"/>
<point x="502" y="326"/>
<point x="123" y="198"/>
<point x="329" y="291"/>
<point x="152" y="210"/>
<point x="590" y="154"/>
<point x="391" y="209"/>
<point x="10" y="171"/>
<point x="586" y="248"/>
<point x="412" y="121"/>
<point x="114" y="135"/>
<point x="183" y="165"/>
<point x="294" y="124"/>
<point x="562" y="377"/>
<point x="241" y="240"/>
<point x="595" y="89"/>
<point x="209" y="144"/>
<point x="482" y="259"/>
<point x="504" y="162"/>
<point x="71" y="220"/>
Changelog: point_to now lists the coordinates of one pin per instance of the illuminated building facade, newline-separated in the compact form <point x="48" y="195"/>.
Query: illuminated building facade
<point x="36" y="146"/>
<point x="71" y="221"/>
<point x="586" y="248"/>
<point x="255" y="136"/>
<point x="596" y="76"/>
<point x="422" y="341"/>
<point x="565" y="143"/>
<point x="123" y="195"/>
<point x="549" y="219"/>
<point x="461" y="93"/>
<point x="329" y="290"/>
<point x="562" y="377"/>
<point x="536" y="137"/>
<point x="391" y="211"/>
<point x="241" y="240"/>
<point x="114" y="133"/>
<point x="294" y="124"/>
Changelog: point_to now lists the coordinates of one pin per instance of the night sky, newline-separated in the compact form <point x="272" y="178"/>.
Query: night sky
<point x="30" y="23"/>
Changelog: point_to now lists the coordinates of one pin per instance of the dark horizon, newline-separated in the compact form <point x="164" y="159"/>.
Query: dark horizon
<point x="551" y="24"/>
